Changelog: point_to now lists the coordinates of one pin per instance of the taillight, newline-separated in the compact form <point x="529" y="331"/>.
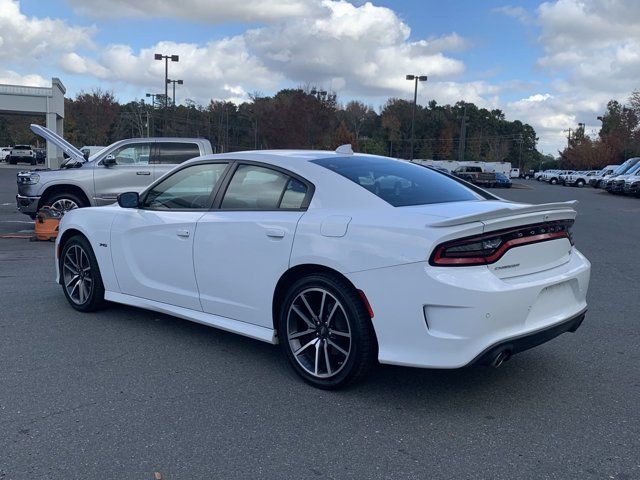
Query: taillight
<point x="490" y="247"/>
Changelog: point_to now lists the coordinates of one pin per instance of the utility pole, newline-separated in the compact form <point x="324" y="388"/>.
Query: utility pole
<point x="568" y="137"/>
<point x="463" y="135"/>
<point x="520" y="155"/>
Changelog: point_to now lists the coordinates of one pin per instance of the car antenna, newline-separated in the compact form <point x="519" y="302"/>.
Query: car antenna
<point x="345" y="149"/>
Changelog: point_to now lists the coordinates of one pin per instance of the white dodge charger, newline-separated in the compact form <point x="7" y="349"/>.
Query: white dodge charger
<point x="343" y="259"/>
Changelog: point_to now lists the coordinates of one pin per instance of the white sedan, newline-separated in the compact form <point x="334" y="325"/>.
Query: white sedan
<point x="315" y="251"/>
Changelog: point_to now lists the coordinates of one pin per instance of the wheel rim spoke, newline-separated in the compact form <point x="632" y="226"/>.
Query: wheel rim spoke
<point x="337" y="347"/>
<point x="306" y="304"/>
<point x="303" y="316"/>
<point x="305" y="329"/>
<point x="326" y="358"/>
<point x="340" y="334"/>
<point x="317" y="362"/>
<point x="333" y="310"/>
<point x="324" y="297"/>
<point x="301" y="334"/>
<point x="75" y="278"/>
<point x="307" y="345"/>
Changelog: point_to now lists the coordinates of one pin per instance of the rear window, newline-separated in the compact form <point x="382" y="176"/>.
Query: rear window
<point x="399" y="183"/>
<point x="22" y="147"/>
<point x="174" y="153"/>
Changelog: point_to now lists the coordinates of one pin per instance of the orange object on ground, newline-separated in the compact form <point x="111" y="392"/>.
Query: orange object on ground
<point x="47" y="222"/>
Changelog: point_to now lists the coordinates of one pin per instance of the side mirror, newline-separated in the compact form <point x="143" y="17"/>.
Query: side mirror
<point x="85" y="154"/>
<point x="129" y="200"/>
<point x="109" y="160"/>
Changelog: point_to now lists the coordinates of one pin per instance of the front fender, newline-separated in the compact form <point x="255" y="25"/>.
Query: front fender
<point x="94" y="223"/>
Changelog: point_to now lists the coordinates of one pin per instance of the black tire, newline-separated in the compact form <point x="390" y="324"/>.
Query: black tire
<point x="12" y="161"/>
<point x="363" y="349"/>
<point x="94" y="298"/>
<point x="553" y="181"/>
<point x="61" y="197"/>
<point x="580" y="183"/>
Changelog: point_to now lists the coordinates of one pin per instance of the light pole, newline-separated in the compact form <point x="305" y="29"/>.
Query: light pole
<point x="179" y="82"/>
<point x="166" y="58"/>
<point x="153" y="98"/>
<point x="415" y="79"/>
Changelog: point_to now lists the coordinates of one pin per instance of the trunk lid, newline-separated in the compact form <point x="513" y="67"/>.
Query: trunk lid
<point x="60" y="142"/>
<point x="501" y="216"/>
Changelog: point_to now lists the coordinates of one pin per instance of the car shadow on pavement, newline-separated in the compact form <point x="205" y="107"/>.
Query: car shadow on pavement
<point x="527" y="378"/>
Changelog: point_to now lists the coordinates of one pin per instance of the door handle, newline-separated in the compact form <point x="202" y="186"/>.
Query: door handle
<point x="143" y="172"/>
<point x="183" y="233"/>
<point x="275" y="233"/>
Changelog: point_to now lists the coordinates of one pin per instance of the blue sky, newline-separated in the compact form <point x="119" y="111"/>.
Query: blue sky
<point x="552" y="64"/>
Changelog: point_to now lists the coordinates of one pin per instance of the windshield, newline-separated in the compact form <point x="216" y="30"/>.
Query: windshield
<point x="625" y="166"/>
<point x="633" y="169"/>
<point x="399" y="183"/>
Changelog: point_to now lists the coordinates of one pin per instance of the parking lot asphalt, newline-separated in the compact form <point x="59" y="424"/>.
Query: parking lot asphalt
<point x="124" y="393"/>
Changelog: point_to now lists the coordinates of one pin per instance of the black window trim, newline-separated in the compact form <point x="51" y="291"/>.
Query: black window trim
<point x="224" y="185"/>
<point x="210" y="201"/>
<point x="215" y="199"/>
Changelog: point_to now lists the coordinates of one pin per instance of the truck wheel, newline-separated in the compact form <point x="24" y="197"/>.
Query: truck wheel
<point x="12" y="161"/>
<point x="64" y="201"/>
<point x="580" y="183"/>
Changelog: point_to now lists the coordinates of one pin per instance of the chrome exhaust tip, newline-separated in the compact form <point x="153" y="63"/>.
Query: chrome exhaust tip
<point x="501" y="357"/>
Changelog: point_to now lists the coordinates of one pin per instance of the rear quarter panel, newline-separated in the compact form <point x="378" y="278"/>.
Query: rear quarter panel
<point x="373" y="239"/>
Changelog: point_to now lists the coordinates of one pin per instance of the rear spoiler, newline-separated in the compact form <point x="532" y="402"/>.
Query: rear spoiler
<point x="517" y="209"/>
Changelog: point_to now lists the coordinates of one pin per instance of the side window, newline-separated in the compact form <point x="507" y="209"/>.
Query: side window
<point x="189" y="188"/>
<point x="294" y="194"/>
<point x="176" y="152"/>
<point x="259" y="188"/>
<point x="135" y="154"/>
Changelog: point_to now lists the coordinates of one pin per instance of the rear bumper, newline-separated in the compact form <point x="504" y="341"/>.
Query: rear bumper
<point x="439" y="317"/>
<point x="27" y="205"/>
<point x="521" y="343"/>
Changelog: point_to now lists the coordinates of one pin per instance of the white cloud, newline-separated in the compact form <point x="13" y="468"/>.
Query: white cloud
<point x="14" y="78"/>
<point x="518" y="13"/>
<point x="366" y="47"/>
<point x="360" y="51"/>
<point x="209" y="11"/>
<point x="220" y="69"/>
<point x="23" y="38"/>
<point x="591" y="53"/>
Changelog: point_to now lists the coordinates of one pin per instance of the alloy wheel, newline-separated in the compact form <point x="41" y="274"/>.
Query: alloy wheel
<point x="64" y="204"/>
<point x="319" y="333"/>
<point x="77" y="274"/>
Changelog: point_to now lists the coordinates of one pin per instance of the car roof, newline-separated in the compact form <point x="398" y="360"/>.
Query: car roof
<point x="286" y="158"/>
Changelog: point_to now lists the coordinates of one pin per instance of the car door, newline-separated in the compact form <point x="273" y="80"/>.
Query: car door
<point x="152" y="246"/>
<point x="169" y="154"/>
<point x="132" y="172"/>
<point x="242" y="246"/>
